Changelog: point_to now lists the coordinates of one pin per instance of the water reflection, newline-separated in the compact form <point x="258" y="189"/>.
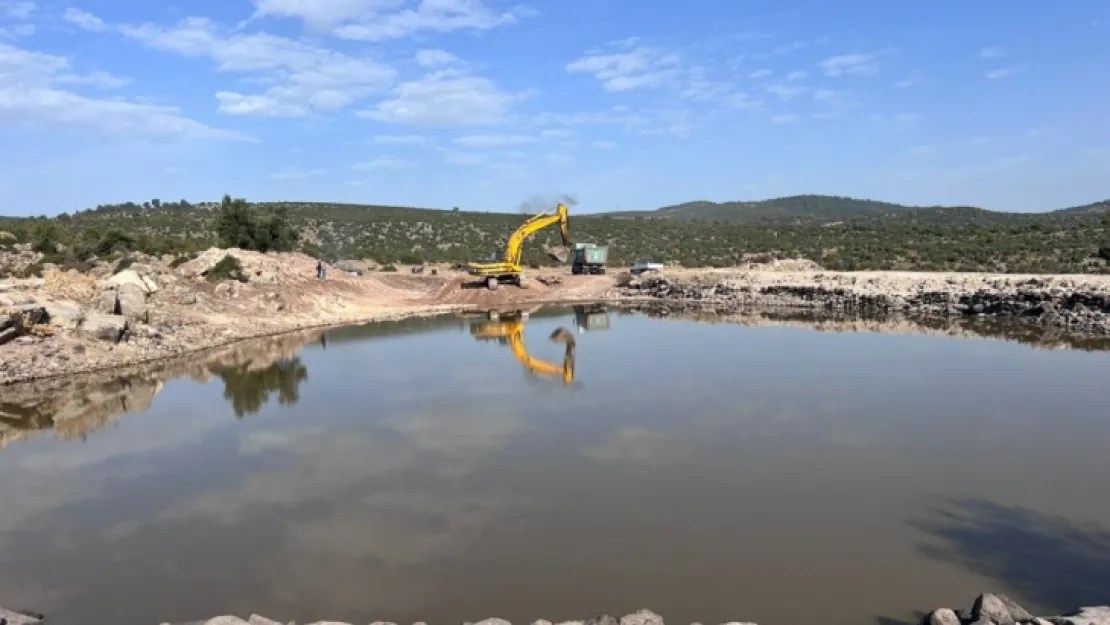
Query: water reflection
<point x="249" y="388"/>
<point x="710" y="472"/>
<point x="507" y="328"/>
<point x="1057" y="563"/>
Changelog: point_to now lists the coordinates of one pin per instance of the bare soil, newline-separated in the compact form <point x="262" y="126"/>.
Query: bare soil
<point x="187" y="312"/>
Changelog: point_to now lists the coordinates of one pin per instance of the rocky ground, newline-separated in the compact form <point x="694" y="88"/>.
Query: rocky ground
<point x="988" y="609"/>
<point x="68" y="322"/>
<point x="1074" y="304"/>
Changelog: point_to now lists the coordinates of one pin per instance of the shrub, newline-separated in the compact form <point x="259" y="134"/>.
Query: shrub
<point x="123" y="263"/>
<point x="229" y="268"/>
<point x="1104" y="252"/>
<point x="388" y="268"/>
<point x="181" y="260"/>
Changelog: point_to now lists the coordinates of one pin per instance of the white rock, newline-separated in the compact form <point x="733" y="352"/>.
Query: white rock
<point x="494" y="621"/>
<point x="261" y="620"/>
<point x="1097" y="615"/>
<point x="15" y="618"/>
<point x="105" y="327"/>
<point x="130" y="276"/>
<point x="643" y="617"/>
<point x="132" y="302"/>
<point x="225" y="620"/>
<point x="65" y="314"/>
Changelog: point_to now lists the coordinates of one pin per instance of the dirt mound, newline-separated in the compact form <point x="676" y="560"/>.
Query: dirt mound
<point x="71" y="285"/>
<point x="791" y="264"/>
<point x="465" y="290"/>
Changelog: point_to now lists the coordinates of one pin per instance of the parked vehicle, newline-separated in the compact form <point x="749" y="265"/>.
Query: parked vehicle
<point x="640" y="265"/>
<point x="589" y="258"/>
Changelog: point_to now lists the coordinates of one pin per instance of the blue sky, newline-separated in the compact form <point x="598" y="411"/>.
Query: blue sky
<point x="485" y="104"/>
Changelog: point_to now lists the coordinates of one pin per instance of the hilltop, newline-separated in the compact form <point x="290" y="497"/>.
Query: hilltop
<point x="828" y="208"/>
<point x="836" y="233"/>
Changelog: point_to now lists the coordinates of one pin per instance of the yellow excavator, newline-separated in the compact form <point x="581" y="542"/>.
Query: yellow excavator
<point x="512" y="332"/>
<point x="509" y="269"/>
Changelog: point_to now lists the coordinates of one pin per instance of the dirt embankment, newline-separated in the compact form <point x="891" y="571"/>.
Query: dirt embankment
<point x="68" y="322"/>
<point x="1070" y="303"/>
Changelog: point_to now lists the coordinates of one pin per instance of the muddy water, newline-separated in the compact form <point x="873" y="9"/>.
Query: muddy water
<point x="710" y="472"/>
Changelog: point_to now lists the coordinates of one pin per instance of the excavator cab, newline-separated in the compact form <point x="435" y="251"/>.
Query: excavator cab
<point x="511" y="330"/>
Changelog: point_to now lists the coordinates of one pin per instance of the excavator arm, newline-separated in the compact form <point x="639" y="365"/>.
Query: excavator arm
<point x="510" y="265"/>
<point x="513" y="331"/>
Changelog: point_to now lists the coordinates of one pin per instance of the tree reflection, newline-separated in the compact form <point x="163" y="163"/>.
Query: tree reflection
<point x="249" y="390"/>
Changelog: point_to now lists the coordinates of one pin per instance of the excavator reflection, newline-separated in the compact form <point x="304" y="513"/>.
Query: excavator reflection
<point x="510" y="330"/>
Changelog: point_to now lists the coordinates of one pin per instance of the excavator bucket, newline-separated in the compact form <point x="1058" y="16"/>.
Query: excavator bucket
<point x="560" y="254"/>
<point x="562" y="335"/>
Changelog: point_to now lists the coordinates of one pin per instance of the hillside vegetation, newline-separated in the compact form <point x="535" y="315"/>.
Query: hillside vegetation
<point x="838" y="233"/>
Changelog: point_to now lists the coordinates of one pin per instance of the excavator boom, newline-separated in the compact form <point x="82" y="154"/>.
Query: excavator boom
<point x="510" y="266"/>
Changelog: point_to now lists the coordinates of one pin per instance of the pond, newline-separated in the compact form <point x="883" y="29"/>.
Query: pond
<point x="560" y="466"/>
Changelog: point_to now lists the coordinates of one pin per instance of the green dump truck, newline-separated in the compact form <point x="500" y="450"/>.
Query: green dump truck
<point x="589" y="258"/>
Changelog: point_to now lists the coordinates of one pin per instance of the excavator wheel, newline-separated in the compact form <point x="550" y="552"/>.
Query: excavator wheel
<point x="491" y="283"/>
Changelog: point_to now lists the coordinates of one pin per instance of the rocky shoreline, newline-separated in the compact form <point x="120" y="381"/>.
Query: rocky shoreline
<point x="1025" y="300"/>
<point x="987" y="609"/>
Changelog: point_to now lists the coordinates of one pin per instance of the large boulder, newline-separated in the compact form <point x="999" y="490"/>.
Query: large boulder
<point x="108" y="303"/>
<point x="66" y="315"/>
<point x="643" y="617"/>
<point x="943" y="616"/>
<point x="132" y="303"/>
<point x="999" y="609"/>
<point x="105" y="327"/>
<point x="18" y="618"/>
<point x="1098" y="615"/>
<point x="130" y="276"/>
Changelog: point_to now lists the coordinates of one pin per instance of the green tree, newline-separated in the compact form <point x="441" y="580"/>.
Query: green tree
<point x="235" y="225"/>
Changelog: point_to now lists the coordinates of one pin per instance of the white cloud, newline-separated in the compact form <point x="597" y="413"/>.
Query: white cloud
<point x="921" y="150"/>
<point x="445" y="98"/>
<point x="990" y="53"/>
<point x="305" y="77"/>
<point x="779" y="120"/>
<point x="102" y="80"/>
<point x="616" y="116"/>
<point x="604" y="145"/>
<point x="908" y="118"/>
<point x="384" y="163"/>
<point x="743" y="101"/>
<point x="825" y="95"/>
<point x="909" y="81"/>
<point x="556" y="133"/>
<point x="493" y="141"/>
<point x="784" y="91"/>
<point x="85" y="20"/>
<point x="854" y="64"/>
<point x="996" y="74"/>
<point x="793" y="76"/>
<point x="640" y="68"/>
<point x="29" y="94"/>
<point x="18" y="31"/>
<point x="320" y="14"/>
<point x="435" y="58"/>
<point x="400" y="139"/>
<point x="980" y="140"/>
<point x="700" y="87"/>
<point x="429" y="15"/>
<point x="18" y="9"/>
<point x="760" y="73"/>
<point x="293" y="173"/>
<point x="782" y="49"/>
<point x="464" y="158"/>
